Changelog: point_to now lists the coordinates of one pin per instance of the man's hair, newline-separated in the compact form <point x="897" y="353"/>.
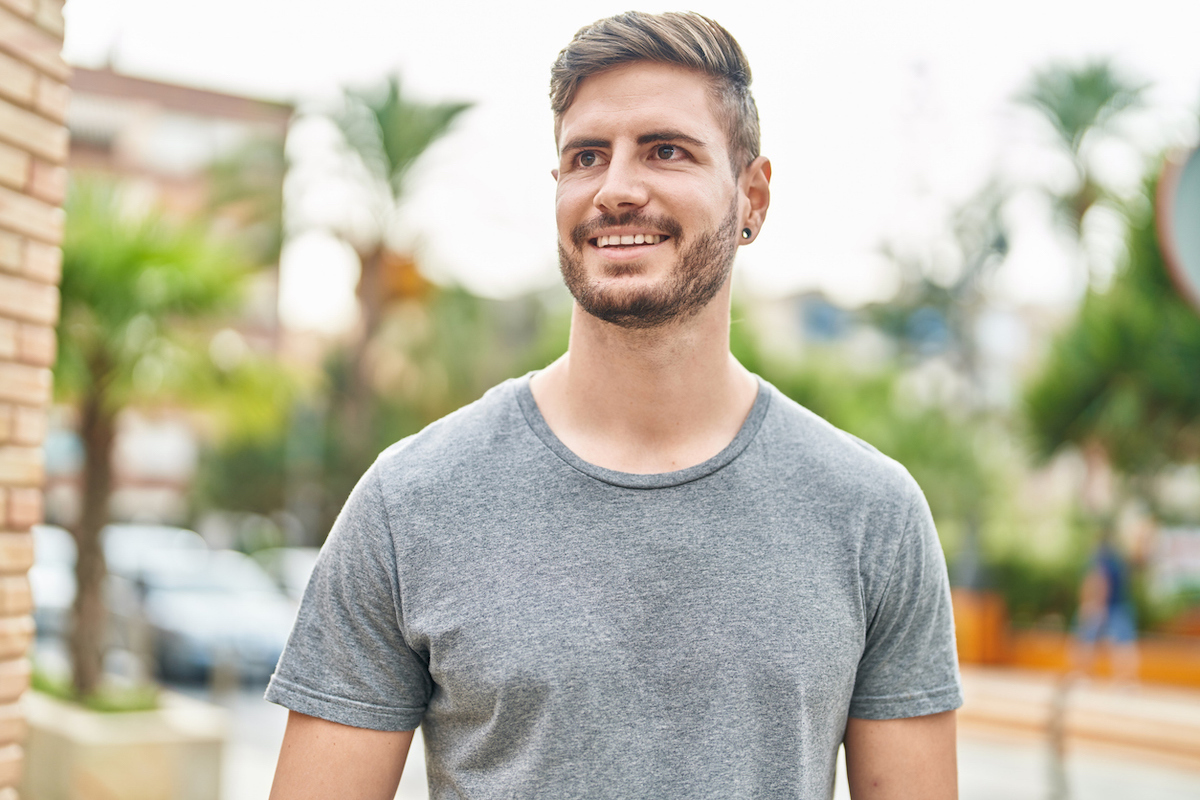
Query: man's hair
<point x="684" y="39"/>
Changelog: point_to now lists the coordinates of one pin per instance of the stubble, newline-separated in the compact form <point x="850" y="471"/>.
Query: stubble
<point x="701" y="270"/>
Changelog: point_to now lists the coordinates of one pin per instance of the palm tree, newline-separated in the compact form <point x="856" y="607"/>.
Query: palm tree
<point x="1080" y="102"/>
<point x="126" y="280"/>
<point x="386" y="132"/>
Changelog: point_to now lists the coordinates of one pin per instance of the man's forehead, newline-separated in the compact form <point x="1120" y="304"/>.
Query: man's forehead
<point x="646" y="88"/>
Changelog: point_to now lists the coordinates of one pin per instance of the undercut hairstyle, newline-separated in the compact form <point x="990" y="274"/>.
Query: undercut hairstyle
<point x="684" y="39"/>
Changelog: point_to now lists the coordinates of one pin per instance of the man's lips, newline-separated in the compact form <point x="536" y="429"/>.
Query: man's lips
<point x="627" y="239"/>
<point x="608" y="226"/>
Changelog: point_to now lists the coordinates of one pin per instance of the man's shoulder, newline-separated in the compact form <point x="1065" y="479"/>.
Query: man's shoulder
<point x="464" y="438"/>
<point x="805" y="443"/>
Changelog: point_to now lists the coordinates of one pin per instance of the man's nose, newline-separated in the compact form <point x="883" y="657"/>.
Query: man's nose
<point x="623" y="189"/>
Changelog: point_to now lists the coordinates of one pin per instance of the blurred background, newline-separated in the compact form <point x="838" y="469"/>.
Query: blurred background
<point x="295" y="235"/>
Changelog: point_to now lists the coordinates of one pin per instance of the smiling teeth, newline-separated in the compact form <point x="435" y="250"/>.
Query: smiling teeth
<point x="629" y="238"/>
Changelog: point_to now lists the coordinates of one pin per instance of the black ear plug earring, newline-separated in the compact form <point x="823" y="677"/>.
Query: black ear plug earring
<point x="745" y="233"/>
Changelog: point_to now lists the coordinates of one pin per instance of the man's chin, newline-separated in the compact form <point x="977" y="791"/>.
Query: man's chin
<point x="635" y="309"/>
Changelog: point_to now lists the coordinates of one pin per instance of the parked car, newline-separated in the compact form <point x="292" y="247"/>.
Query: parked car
<point x="172" y="599"/>
<point x="129" y="548"/>
<point x="215" y="609"/>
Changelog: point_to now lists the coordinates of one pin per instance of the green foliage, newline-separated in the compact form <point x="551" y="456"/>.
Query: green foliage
<point x="1120" y="374"/>
<point x="108" y="698"/>
<point x="247" y="184"/>
<point x="1078" y="100"/>
<point x="389" y="131"/>
<point x="243" y="474"/>
<point x="1034" y="590"/>
<point x="126" y="279"/>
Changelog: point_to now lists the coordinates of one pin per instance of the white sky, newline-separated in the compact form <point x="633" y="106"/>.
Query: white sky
<point x="878" y="116"/>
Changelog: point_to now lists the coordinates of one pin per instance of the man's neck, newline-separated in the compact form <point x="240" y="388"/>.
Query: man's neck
<point x="650" y="400"/>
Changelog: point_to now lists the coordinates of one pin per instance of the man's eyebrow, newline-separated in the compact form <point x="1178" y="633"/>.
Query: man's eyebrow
<point x="670" y="136"/>
<point x="576" y="144"/>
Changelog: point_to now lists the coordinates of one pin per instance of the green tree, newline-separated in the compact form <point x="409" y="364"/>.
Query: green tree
<point x="386" y="132"/>
<point x="1080" y="103"/>
<point x="246" y="186"/>
<point x="127" y="281"/>
<point x="1123" y="375"/>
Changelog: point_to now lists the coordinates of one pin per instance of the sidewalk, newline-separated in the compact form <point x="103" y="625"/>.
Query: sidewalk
<point x="1136" y="721"/>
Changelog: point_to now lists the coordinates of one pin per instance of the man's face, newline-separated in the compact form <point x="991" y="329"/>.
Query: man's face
<point x="648" y="211"/>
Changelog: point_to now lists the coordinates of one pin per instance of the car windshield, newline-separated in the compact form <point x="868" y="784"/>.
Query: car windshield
<point x="131" y="549"/>
<point x="223" y="571"/>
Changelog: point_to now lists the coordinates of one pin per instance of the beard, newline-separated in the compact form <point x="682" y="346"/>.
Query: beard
<point x="700" y="271"/>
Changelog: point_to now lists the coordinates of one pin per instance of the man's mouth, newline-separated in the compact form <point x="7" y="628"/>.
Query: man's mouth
<point x="628" y="239"/>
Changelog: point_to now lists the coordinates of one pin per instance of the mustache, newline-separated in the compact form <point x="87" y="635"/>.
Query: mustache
<point x="586" y="230"/>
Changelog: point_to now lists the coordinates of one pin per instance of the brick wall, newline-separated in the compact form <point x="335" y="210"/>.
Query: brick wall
<point x="33" y="150"/>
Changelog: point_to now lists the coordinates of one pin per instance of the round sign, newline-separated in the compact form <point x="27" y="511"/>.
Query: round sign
<point x="1178" y="214"/>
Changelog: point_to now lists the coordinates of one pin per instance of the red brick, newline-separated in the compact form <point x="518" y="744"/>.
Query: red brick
<point x="25" y="8"/>
<point x="37" y="345"/>
<point x="28" y="300"/>
<point x="15" y="596"/>
<point x="14" y="167"/>
<point x="20" y="383"/>
<point x="21" y="466"/>
<point x="18" y="81"/>
<point x="12" y="716"/>
<point x="14" y="678"/>
<point x="31" y="217"/>
<point x="28" y="425"/>
<point x="53" y="98"/>
<point x="16" y="554"/>
<point x="48" y="182"/>
<point x="8" y="340"/>
<point x="50" y="17"/>
<point x="24" y="40"/>
<point x="25" y="508"/>
<point x="43" y="262"/>
<point x="33" y="132"/>
<point x="11" y="252"/>
<point x="16" y="634"/>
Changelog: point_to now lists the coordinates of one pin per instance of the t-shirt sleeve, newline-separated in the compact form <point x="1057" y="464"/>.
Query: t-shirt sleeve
<point x="909" y="665"/>
<point x="346" y="659"/>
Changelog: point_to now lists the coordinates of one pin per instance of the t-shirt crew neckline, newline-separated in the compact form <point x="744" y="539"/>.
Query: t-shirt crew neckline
<point x="630" y="480"/>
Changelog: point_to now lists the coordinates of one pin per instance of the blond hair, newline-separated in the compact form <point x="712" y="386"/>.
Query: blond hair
<point x="685" y="39"/>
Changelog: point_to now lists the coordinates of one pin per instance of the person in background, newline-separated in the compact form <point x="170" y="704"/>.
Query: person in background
<point x="1105" y="612"/>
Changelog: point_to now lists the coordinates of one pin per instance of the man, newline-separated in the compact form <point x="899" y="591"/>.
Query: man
<point x="641" y="572"/>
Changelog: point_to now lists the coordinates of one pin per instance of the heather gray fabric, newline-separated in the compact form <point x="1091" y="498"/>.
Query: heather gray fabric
<point x="565" y="631"/>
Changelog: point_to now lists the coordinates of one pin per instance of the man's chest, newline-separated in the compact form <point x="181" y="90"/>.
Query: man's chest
<point x="666" y="605"/>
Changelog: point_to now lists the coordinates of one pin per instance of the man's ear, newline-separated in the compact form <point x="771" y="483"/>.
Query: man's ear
<point x="755" y="185"/>
<point x="554" y="174"/>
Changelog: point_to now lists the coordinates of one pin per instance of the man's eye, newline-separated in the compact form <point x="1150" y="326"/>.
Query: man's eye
<point x="586" y="159"/>
<point x="665" y="152"/>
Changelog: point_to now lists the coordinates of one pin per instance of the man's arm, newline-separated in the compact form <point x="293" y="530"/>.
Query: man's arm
<point x="902" y="759"/>
<point x="321" y="759"/>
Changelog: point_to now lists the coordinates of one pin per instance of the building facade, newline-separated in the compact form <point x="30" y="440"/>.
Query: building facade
<point x="34" y="90"/>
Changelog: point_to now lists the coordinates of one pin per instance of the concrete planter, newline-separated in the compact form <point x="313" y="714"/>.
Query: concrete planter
<point x="172" y="753"/>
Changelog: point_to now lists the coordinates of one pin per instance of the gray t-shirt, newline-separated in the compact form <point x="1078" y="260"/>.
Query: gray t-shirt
<point x="561" y="630"/>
